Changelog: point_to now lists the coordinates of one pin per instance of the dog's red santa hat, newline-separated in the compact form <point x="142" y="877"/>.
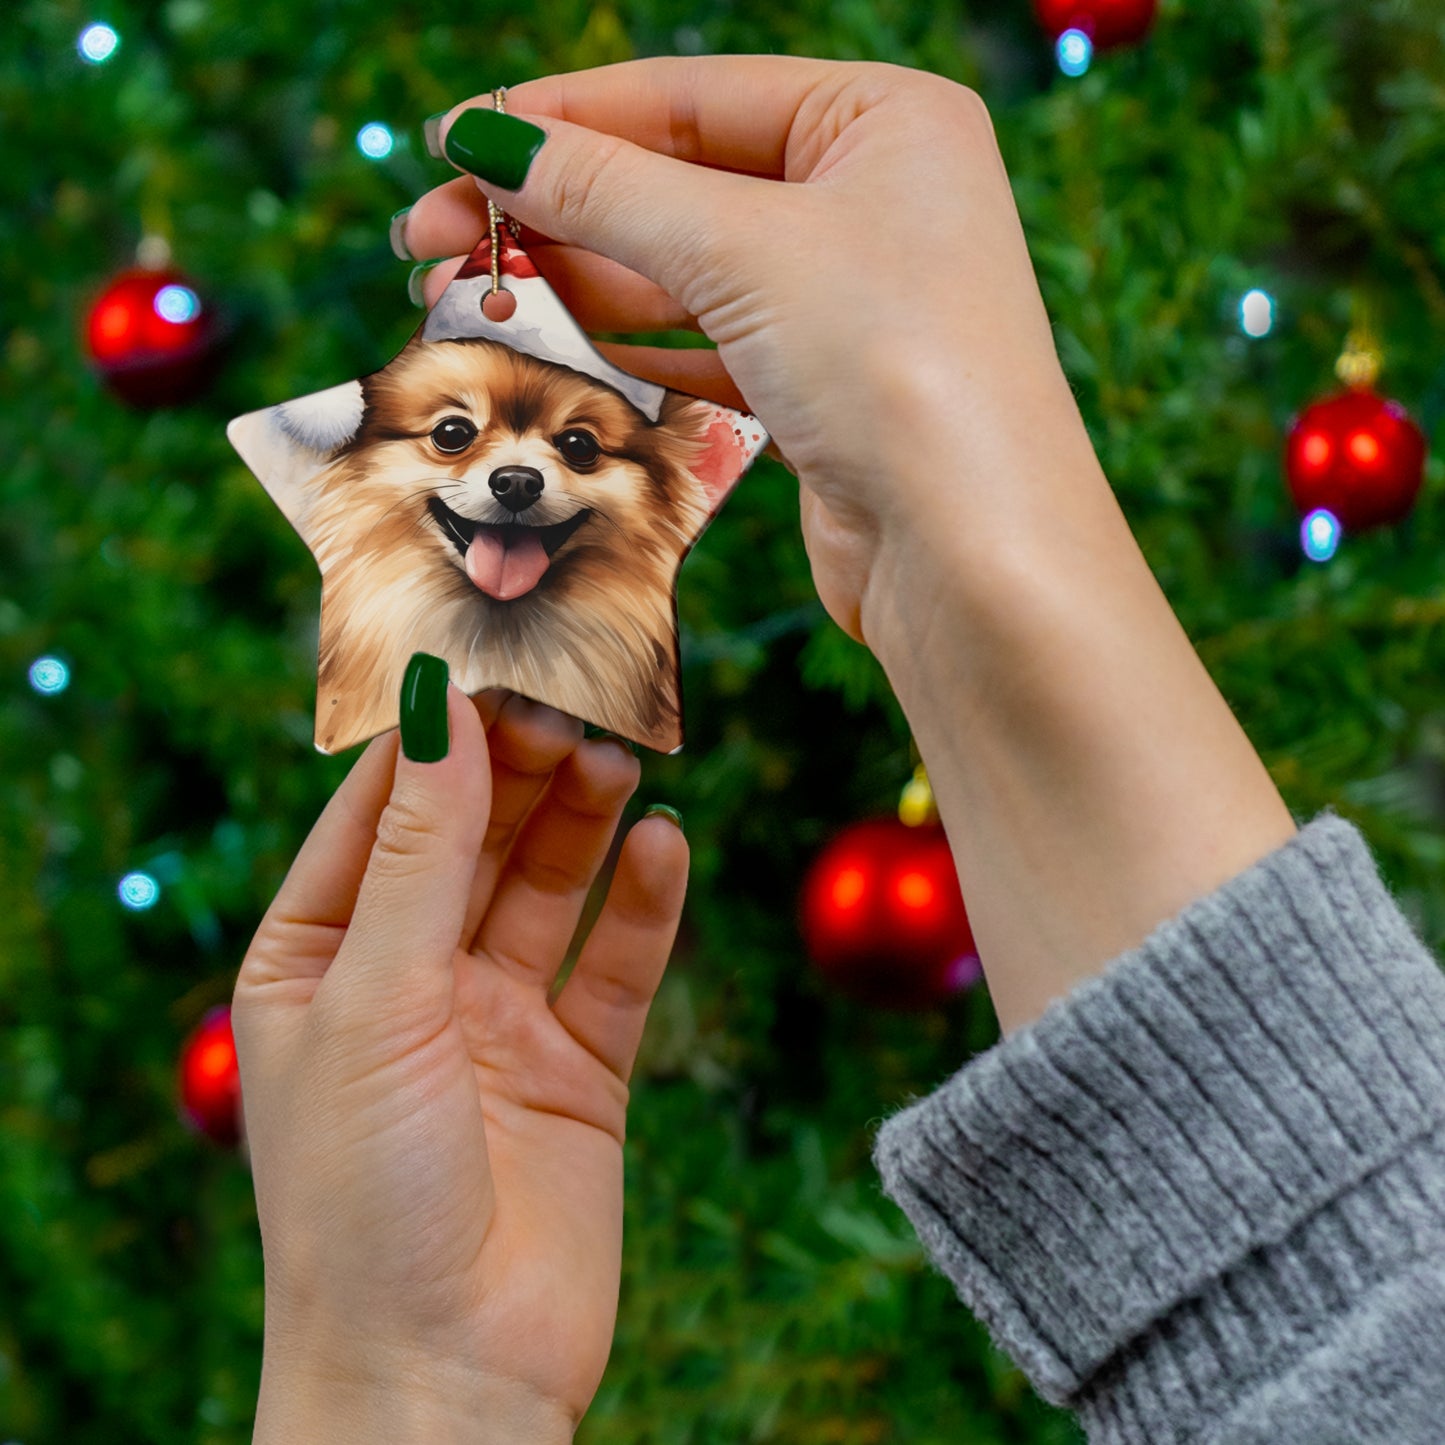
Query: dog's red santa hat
<point x="540" y="326"/>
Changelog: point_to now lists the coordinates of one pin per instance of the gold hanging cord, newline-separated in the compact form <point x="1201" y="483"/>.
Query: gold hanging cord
<point x="495" y="218"/>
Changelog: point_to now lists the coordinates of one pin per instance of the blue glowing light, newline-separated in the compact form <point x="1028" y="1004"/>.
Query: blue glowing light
<point x="97" y="43"/>
<point x="1256" y="313"/>
<point x="1320" y="535"/>
<point x="177" y="304"/>
<point x="138" y="891"/>
<point x="49" y="675"/>
<point x="1075" y="52"/>
<point x="375" y="140"/>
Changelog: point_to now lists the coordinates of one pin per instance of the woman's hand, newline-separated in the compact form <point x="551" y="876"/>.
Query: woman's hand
<point x="437" y="1148"/>
<point x="879" y="314"/>
<point x="848" y="237"/>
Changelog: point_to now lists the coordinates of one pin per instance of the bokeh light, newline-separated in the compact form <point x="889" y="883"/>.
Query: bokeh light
<point x="914" y="889"/>
<point x="1256" y="313"/>
<point x="97" y="43"/>
<point x="1320" y="535"/>
<point x="1075" y="52"/>
<point x="375" y="141"/>
<point x="849" y="887"/>
<point x="138" y="891"/>
<point x="178" y="304"/>
<point x="1364" y="448"/>
<point x="49" y="675"/>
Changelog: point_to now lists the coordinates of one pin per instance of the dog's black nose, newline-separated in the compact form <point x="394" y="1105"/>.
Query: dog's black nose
<point x="516" y="488"/>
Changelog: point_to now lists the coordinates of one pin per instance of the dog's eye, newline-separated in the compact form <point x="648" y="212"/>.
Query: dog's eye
<point x="453" y="434"/>
<point x="579" y="448"/>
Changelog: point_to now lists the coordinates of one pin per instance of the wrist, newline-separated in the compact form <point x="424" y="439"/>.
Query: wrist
<point x="1092" y="778"/>
<point x="366" y="1403"/>
<point x="985" y="512"/>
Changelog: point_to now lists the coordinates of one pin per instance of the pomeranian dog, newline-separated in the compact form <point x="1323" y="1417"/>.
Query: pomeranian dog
<point x="517" y="518"/>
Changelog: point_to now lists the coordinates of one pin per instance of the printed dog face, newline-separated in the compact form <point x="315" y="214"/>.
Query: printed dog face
<point x="513" y="516"/>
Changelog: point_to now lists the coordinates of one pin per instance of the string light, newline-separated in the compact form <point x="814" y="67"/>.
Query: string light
<point x="1256" y="313"/>
<point x="97" y="44"/>
<point x="138" y="891"/>
<point x="1075" y="52"/>
<point x="1320" y="535"/>
<point x="177" y="304"/>
<point x="375" y="141"/>
<point x="49" y="675"/>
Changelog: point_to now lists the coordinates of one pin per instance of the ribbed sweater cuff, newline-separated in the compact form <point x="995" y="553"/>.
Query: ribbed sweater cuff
<point x="1182" y="1120"/>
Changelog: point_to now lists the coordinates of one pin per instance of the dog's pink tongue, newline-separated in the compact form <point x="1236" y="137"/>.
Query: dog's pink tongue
<point x="505" y="564"/>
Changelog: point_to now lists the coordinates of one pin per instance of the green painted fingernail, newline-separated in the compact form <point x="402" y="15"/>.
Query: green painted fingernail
<point x="397" y="234"/>
<point x="498" y="148"/>
<point x="415" y="294"/>
<point x="424" y="734"/>
<point x="596" y="734"/>
<point x="662" y="810"/>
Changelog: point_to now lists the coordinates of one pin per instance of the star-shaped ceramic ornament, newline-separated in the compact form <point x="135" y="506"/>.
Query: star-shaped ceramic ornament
<point x="502" y="496"/>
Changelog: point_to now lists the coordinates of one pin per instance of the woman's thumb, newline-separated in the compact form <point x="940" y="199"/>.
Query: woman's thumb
<point x="661" y="217"/>
<point x="409" y="911"/>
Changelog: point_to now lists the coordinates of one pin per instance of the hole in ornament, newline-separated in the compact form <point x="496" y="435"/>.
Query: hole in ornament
<point x="499" y="305"/>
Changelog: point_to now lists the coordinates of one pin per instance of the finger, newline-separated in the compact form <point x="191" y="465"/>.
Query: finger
<point x="304" y="926"/>
<point x="654" y="215"/>
<point x="742" y="112"/>
<point x="603" y="296"/>
<point x="605" y="1000"/>
<point x="699" y="371"/>
<point x="489" y="703"/>
<point x="299" y="935"/>
<point x="543" y="887"/>
<point x="395" y="965"/>
<point x="451" y="219"/>
<point x="434" y="280"/>
<point x="526" y="742"/>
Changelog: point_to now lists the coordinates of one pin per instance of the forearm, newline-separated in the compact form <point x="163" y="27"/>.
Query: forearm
<point x="1092" y="779"/>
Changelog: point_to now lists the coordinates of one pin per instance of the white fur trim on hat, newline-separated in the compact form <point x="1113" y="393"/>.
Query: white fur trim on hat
<point x="541" y="326"/>
<point x="324" y="420"/>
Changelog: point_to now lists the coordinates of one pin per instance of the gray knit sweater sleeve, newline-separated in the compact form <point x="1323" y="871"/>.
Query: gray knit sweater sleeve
<point x="1202" y="1199"/>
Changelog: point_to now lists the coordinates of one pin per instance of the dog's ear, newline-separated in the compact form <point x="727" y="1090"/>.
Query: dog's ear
<point x="726" y="440"/>
<point x="287" y="446"/>
<point x="325" y="420"/>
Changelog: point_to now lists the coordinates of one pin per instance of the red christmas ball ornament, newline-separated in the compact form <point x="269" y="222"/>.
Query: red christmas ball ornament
<point x="1107" y="23"/>
<point x="210" y="1081"/>
<point x="883" y="918"/>
<point x="1359" y="456"/>
<point x="152" y="338"/>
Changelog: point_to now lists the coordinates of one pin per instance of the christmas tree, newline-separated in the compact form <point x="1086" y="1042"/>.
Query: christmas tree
<point x="158" y="644"/>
